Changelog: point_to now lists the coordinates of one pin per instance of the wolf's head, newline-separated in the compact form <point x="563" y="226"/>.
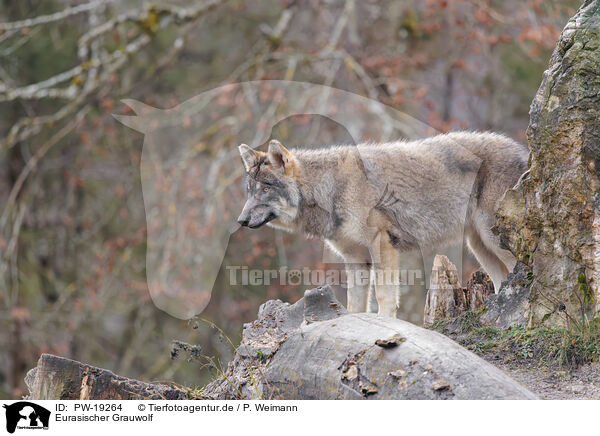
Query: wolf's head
<point x="271" y="183"/>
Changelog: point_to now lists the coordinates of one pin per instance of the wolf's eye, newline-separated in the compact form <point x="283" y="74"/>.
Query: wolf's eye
<point x="266" y="189"/>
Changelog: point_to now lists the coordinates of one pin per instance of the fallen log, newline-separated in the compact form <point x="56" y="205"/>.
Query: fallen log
<point x="315" y="349"/>
<point x="57" y="378"/>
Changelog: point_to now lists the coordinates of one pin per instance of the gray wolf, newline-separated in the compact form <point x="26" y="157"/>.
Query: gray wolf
<point x="369" y="202"/>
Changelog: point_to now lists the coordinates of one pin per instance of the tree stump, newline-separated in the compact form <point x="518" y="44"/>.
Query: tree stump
<point x="478" y="288"/>
<point x="445" y="297"/>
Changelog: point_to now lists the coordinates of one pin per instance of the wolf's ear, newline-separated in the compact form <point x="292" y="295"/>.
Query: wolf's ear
<point x="279" y="157"/>
<point x="249" y="156"/>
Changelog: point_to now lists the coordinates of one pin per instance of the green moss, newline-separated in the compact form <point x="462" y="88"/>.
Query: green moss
<point x="151" y="22"/>
<point x="410" y="22"/>
<point x="197" y="393"/>
<point x="530" y="279"/>
<point x="585" y="289"/>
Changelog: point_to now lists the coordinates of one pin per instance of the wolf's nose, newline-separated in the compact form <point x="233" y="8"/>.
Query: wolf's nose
<point x="243" y="222"/>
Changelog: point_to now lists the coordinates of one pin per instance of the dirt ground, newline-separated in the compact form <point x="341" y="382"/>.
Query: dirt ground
<point x="582" y="383"/>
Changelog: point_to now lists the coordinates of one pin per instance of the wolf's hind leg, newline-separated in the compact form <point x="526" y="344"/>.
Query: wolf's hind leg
<point x="493" y="242"/>
<point x="372" y="306"/>
<point x="488" y="259"/>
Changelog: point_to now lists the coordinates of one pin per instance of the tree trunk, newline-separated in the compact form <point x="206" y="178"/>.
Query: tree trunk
<point x="551" y="220"/>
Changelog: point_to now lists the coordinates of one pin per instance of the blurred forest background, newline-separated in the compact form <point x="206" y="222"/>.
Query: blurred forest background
<point x="72" y="221"/>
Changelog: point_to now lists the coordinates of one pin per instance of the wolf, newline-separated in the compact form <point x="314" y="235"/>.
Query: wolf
<point x="370" y="202"/>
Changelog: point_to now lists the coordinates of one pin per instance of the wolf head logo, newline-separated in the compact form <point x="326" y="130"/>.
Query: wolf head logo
<point x="190" y="173"/>
<point x="26" y="414"/>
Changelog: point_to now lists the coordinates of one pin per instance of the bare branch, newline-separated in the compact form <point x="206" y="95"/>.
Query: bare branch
<point x="339" y="27"/>
<point x="44" y="89"/>
<point x="163" y="15"/>
<point x="57" y="16"/>
<point x="33" y="162"/>
<point x="106" y="63"/>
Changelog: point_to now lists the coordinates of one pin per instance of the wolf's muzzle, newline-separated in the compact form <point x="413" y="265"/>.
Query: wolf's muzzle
<point x="243" y="221"/>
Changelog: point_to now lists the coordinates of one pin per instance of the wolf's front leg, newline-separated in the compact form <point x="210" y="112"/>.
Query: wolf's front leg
<point x="386" y="276"/>
<point x="358" y="278"/>
<point x="358" y="270"/>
